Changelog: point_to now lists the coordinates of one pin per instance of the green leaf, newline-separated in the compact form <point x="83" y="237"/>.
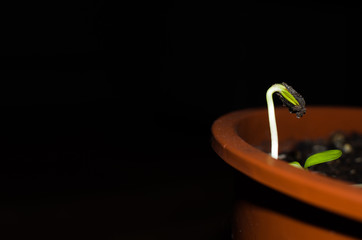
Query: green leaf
<point x="296" y="164"/>
<point x="286" y="94"/>
<point x="322" y="157"/>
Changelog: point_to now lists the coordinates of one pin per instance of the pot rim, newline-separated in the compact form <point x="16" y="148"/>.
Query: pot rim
<point x="330" y="194"/>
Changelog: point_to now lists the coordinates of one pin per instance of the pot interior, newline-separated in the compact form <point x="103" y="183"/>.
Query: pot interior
<point x="318" y="123"/>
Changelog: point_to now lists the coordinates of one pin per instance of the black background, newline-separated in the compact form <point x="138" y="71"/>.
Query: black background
<point x="106" y="108"/>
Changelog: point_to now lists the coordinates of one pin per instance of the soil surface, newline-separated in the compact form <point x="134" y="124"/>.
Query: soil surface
<point x="348" y="167"/>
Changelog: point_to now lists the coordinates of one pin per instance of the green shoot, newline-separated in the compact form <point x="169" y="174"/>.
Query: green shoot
<point x="290" y="98"/>
<point x="318" y="158"/>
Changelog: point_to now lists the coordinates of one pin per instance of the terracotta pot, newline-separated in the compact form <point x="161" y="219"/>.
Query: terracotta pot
<point x="276" y="200"/>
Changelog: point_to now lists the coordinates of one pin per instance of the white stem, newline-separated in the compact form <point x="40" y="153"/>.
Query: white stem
<point x="272" y="121"/>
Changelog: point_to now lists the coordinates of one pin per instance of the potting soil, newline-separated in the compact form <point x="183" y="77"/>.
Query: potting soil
<point x="348" y="167"/>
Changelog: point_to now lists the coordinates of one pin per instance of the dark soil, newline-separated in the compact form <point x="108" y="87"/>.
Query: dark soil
<point x="348" y="167"/>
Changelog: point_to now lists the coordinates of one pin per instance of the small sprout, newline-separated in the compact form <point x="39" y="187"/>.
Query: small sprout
<point x="296" y="104"/>
<point x="290" y="98"/>
<point x="318" y="158"/>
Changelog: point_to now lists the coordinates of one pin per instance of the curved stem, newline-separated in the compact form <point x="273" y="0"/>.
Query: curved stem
<point x="289" y="98"/>
<point x="272" y="121"/>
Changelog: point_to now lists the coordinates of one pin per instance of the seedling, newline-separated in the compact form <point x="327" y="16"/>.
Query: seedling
<point x="318" y="158"/>
<point x="290" y="98"/>
<point x="296" y="104"/>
